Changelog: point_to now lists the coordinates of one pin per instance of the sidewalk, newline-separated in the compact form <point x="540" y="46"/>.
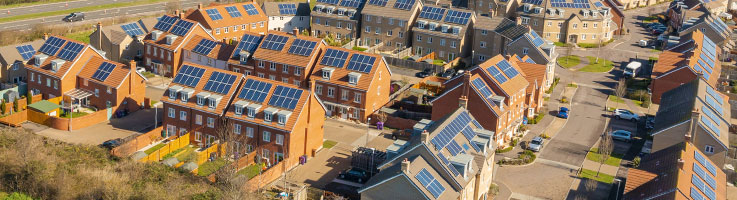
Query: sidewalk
<point x="594" y="166"/>
<point x="158" y="82"/>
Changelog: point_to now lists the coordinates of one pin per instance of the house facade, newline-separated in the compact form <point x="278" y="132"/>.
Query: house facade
<point x="111" y="85"/>
<point x="536" y="76"/>
<point x="389" y="23"/>
<point x="202" y="51"/>
<point x="287" y="16"/>
<point x="163" y="44"/>
<point x="241" y="61"/>
<point x="589" y="22"/>
<point x="444" y="31"/>
<point x="13" y="59"/>
<point x="122" y="43"/>
<point x="228" y="21"/>
<point x="337" y="19"/>
<point x="288" y="58"/>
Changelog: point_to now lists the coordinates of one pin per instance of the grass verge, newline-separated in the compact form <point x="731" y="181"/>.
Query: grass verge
<point x="590" y="174"/>
<point x="329" y="144"/>
<point x="359" y="48"/>
<point x="573" y="85"/>
<point x="82" y="9"/>
<point x="82" y="36"/>
<point x="210" y="167"/>
<point x="552" y="86"/>
<point x="154" y="148"/>
<point x="615" y="99"/>
<point x="603" y="65"/>
<point x="613" y="160"/>
<point x="569" y="61"/>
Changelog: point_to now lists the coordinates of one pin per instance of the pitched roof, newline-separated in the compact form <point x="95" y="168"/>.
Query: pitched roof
<point x="330" y="9"/>
<point x="275" y="96"/>
<point x="199" y="85"/>
<point x="510" y="29"/>
<point x="444" y="19"/>
<point x="117" y="33"/>
<point x="676" y="106"/>
<point x="65" y="51"/>
<point x="488" y="23"/>
<point x="534" y="73"/>
<point x="507" y="85"/>
<point x="115" y="77"/>
<point x="389" y="10"/>
<point x="161" y="41"/>
<point x="699" y="53"/>
<point x="272" y="9"/>
<point x="340" y="74"/>
<point x="221" y="51"/>
<point x="11" y="53"/>
<point x="225" y="18"/>
<point x="283" y="56"/>
<point x="249" y="42"/>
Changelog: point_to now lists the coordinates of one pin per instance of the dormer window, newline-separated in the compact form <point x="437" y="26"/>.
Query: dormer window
<point x="238" y="110"/>
<point x="200" y="101"/>
<point x="353" y="78"/>
<point x="39" y="59"/>
<point x="327" y="72"/>
<point x="213" y="101"/>
<point x="269" y="114"/>
<point x="456" y="30"/>
<point x="282" y="117"/>
<point x="173" y="90"/>
<point x="238" y="107"/>
<point x="184" y="97"/>
<point x="251" y="109"/>
<point x="202" y="98"/>
<point x="433" y="26"/>
<point x="212" y="104"/>
<point x="421" y="24"/>
<point x="444" y="29"/>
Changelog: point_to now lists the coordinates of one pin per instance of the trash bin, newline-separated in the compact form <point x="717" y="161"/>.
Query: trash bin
<point x="380" y="125"/>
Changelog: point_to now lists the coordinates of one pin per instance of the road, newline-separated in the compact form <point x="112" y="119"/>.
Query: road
<point x="89" y="16"/>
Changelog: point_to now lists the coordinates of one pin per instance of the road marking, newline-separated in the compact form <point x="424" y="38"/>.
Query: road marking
<point x="556" y="164"/>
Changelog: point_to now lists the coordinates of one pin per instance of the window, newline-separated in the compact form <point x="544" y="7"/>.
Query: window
<point x="272" y="77"/>
<point x="198" y="119"/>
<point x="217" y="31"/>
<point x="429" y="40"/>
<point x="344" y="95"/>
<point x="525" y="50"/>
<point x="272" y="66"/>
<point x="401" y="34"/>
<point x="557" y="36"/>
<point x="585" y="25"/>
<point x="261" y="24"/>
<point x="596" y="24"/>
<point x="483" y="32"/>
<point x="560" y="24"/>
<point x="97" y="92"/>
<point x="550" y="23"/>
<point x="109" y="89"/>
<point x="48" y="83"/>
<point x="285" y="80"/>
<point x="391" y="21"/>
<point x="32" y="76"/>
<point x="357" y="97"/>
<point x="267" y="117"/>
<point x="251" y="112"/>
<point x="452" y="44"/>
<point x="182" y="115"/>
<point x="442" y="42"/>
<point x="534" y="22"/>
<point x="212" y="103"/>
<point x="524" y="20"/>
<point x="211" y="122"/>
<point x="482" y="58"/>
<point x="389" y="33"/>
<point x="317" y="20"/>
<point x="378" y="19"/>
<point x="575" y="26"/>
<point x="226" y="29"/>
<point x="172" y="113"/>
<point x="355" y="113"/>
<point x="279" y="139"/>
<point x="349" y="26"/>
<point x="419" y="38"/>
<point x="238" y="110"/>
<point x="583" y="36"/>
<point x="378" y="30"/>
<point x="237" y="129"/>
<point x="708" y="149"/>
<point x="331" y="92"/>
<point x="253" y="25"/>
<point x="197" y="136"/>
<point x="56" y="86"/>
<point x="200" y="101"/>
<point x="267" y="136"/>
<point x="249" y="132"/>
<point x="483" y="44"/>
<point x="593" y="36"/>
<point x="340" y="25"/>
<point x="368" y="29"/>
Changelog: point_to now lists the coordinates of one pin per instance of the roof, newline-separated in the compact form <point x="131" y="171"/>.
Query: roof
<point x="340" y="73"/>
<point x="249" y="42"/>
<point x="272" y="9"/>
<point x="344" y="9"/>
<point x="199" y="85"/>
<point x="283" y="56"/>
<point x="488" y="23"/>
<point x="534" y="73"/>
<point x="117" y="33"/>
<point x="225" y="18"/>
<point x="509" y="86"/>
<point x="114" y="78"/>
<point x="272" y="94"/>
<point x="10" y="54"/>
<point x="699" y="53"/>
<point x="510" y="29"/>
<point x="177" y="27"/>
<point x="59" y="49"/>
<point x="569" y="8"/>
<point x="389" y="9"/>
<point x="44" y="106"/>
<point x="446" y="21"/>
<point x="220" y="51"/>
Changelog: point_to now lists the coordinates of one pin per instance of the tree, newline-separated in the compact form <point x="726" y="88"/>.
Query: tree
<point x="163" y="70"/>
<point x="381" y="116"/>
<point x="15" y="105"/>
<point x="605" y="149"/>
<point x="3" y="108"/>
<point x="227" y="177"/>
<point x="29" y="98"/>
<point x="620" y="90"/>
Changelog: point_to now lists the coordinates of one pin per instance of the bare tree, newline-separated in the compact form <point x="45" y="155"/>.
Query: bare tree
<point x="381" y="116"/>
<point x="227" y="178"/>
<point x="163" y="70"/>
<point x="620" y="90"/>
<point x="605" y="149"/>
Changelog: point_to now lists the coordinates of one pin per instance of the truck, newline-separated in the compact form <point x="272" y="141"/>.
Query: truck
<point x="632" y="69"/>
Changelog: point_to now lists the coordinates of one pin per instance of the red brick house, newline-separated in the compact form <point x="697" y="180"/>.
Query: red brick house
<point x="285" y="57"/>
<point x="206" y="52"/>
<point x="163" y="45"/>
<point x="241" y="60"/>
<point x="229" y="21"/>
<point x="113" y="85"/>
<point x="352" y="84"/>
<point x="535" y="75"/>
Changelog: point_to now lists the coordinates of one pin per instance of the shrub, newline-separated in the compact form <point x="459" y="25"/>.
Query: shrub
<point x="636" y="161"/>
<point x="29" y="99"/>
<point x="15" y="105"/>
<point x="522" y="128"/>
<point x="646" y="103"/>
<point x="536" y="119"/>
<point x="564" y="99"/>
<point x="545" y="136"/>
<point x="504" y="150"/>
<point x="3" y="108"/>
<point x="514" y="142"/>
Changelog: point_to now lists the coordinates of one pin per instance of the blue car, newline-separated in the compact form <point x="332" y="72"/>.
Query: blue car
<point x="563" y="112"/>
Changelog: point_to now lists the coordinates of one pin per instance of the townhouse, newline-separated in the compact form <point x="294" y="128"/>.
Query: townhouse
<point x="339" y="19"/>
<point x="444" y="31"/>
<point x="495" y="89"/>
<point x="388" y="23"/>
<point x="280" y="121"/>
<point x="677" y="172"/>
<point x="203" y="51"/>
<point x="695" y="56"/>
<point x="690" y="16"/>
<point x="697" y="110"/>
<point x="110" y="85"/>
<point x="498" y="35"/>
<point x="452" y="158"/>
<point x="227" y="21"/>
<point x="288" y="58"/>
<point x="535" y="75"/>
<point x="287" y="16"/>
<point x="13" y="59"/>
<point x="163" y="45"/>
<point x="122" y="43"/>
<point x="352" y="84"/>
<point x="569" y="22"/>
<point x="196" y="99"/>
<point x="241" y="61"/>
<point x="494" y="8"/>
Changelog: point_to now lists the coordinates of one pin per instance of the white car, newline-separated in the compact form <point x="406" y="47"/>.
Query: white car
<point x="625" y="114"/>
<point x="140" y="69"/>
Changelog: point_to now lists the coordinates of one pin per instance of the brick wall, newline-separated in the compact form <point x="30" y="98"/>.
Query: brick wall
<point x="63" y="123"/>
<point x="140" y="141"/>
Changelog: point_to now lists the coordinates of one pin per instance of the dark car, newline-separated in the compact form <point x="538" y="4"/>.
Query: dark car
<point x="355" y="175"/>
<point x="449" y="73"/>
<point x="111" y="143"/>
<point x="424" y="73"/>
<point x="563" y="112"/>
<point x="74" y="17"/>
<point x="405" y="134"/>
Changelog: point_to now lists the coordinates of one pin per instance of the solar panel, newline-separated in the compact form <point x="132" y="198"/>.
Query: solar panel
<point x="335" y="58"/>
<point x="453" y="148"/>
<point x="254" y="90"/>
<point x="103" y="71"/>
<point x="381" y="3"/>
<point x="302" y="47"/>
<point x="457" y="17"/>
<point x="274" y="42"/>
<point x="404" y="4"/>
<point x="26" y="51"/>
<point x="182" y="28"/>
<point x="250" y="9"/>
<point x="70" y="51"/>
<point x="536" y="2"/>
<point x="707" y="68"/>
<point x="449" y="132"/>
<point x="214" y="14"/>
<point x="233" y="11"/>
<point x="52" y="45"/>
<point x="468" y="132"/>
<point x="698" y="68"/>
<point x="529" y="60"/>
<point x="695" y="194"/>
<point x="431" y="184"/>
<point x="248" y="43"/>
<point x="285" y="97"/>
<point x="537" y="41"/>
<point x="494" y="71"/>
<point x="204" y="47"/>
<point x="334" y="2"/>
<point x="702" y="160"/>
<point x="361" y="63"/>
<point x="711" y="115"/>
<point x="714" y="105"/>
<point x="708" y="179"/>
<point x="432" y="13"/>
<point x="189" y="75"/>
<point x="352" y="3"/>
<point x="165" y="23"/>
<point x="698" y="183"/>
<point x="219" y="82"/>
<point x="132" y="29"/>
<point x="486" y="93"/>
<point x="598" y="4"/>
<point x="478" y="125"/>
<point x="507" y="68"/>
<point x="714" y="94"/>
<point x="287" y="9"/>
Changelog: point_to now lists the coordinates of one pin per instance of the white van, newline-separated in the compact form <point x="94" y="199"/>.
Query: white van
<point x="632" y="69"/>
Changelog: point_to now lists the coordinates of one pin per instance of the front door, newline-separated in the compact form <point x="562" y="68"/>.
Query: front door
<point x="572" y="39"/>
<point x="343" y="113"/>
<point x="109" y="108"/>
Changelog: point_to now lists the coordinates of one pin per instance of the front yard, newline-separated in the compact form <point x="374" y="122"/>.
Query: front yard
<point x="613" y="160"/>
<point x="603" y="65"/>
<point x="590" y="174"/>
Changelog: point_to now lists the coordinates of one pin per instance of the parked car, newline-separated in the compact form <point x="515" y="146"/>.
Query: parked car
<point x="424" y="73"/>
<point x="140" y="69"/>
<point x="448" y="73"/>
<point x="621" y="135"/>
<point x="355" y="175"/>
<point x="563" y="112"/>
<point x="536" y="144"/>
<point x="110" y="144"/>
<point x="460" y="71"/>
<point x="405" y="134"/>
<point x="650" y="122"/>
<point x="625" y="114"/>
<point x="74" y="17"/>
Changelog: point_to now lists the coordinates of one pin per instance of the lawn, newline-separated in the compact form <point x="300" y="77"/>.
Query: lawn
<point x="590" y="174"/>
<point x="438" y="62"/>
<point x="328" y="144"/>
<point x="615" y="99"/>
<point x="655" y="50"/>
<point x="181" y="156"/>
<point x="603" y="65"/>
<point x="639" y="103"/>
<point x="154" y="148"/>
<point x="148" y="74"/>
<point x="74" y="115"/>
<point x="359" y="48"/>
<point x="560" y="44"/>
<point x="573" y="85"/>
<point x="613" y="160"/>
<point x="569" y="61"/>
<point x="154" y="102"/>
<point x="82" y="36"/>
<point x="81" y="9"/>
<point x="250" y="171"/>
<point x="210" y="167"/>
<point x="186" y="152"/>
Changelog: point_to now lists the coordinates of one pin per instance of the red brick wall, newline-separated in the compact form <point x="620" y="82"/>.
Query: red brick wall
<point x="15" y="119"/>
<point x="143" y="140"/>
<point x="279" y="74"/>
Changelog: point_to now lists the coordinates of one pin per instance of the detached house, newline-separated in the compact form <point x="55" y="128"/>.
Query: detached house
<point x="337" y="18"/>
<point x="444" y="31"/>
<point x="109" y="84"/>
<point x="570" y="21"/>
<point x="206" y="52"/>
<point x="122" y="43"/>
<point x="163" y="46"/>
<point x="287" y="16"/>
<point x="228" y="21"/>
<point x="352" y="84"/>
<point x="288" y="58"/>
<point x="13" y="59"/>
<point x="389" y="23"/>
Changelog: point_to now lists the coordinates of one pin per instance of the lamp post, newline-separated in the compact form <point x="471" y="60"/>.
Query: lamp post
<point x="368" y="129"/>
<point x="619" y="181"/>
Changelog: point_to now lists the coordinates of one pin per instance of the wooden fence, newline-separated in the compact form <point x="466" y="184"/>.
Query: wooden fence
<point x="15" y="119"/>
<point x="203" y="156"/>
<point x="408" y="64"/>
<point x="63" y="123"/>
<point x="140" y="141"/>
<point x="173" y="145"/>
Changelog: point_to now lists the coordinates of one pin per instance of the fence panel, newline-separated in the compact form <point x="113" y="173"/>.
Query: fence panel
<point x="408" y="64"/>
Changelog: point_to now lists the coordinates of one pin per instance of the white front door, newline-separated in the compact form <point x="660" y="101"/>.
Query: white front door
<point x="343" y="112"/>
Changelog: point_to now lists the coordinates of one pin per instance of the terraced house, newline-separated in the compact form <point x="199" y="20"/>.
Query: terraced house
<point x="227" y="21"/>
<point x="388" y="23"/>
<point x="241" y="61"/>
<point x="163" y="46"/>
<point x="286" y="58"/>
<point x="495" y="89"/>
<point x="196" y="99"/>
<point x="206" y="52"/>
<point x="495" y="36"/>
<point x="280" y="121"/>
<point x="339" y="18"/>
<point x="690" y="16"/>
<point x="444" y="31"/>
<point x="536" y="76"/>
<point x="576" y="21"/>
<point x="285" y="16"/>
<point x="352" y="84"/>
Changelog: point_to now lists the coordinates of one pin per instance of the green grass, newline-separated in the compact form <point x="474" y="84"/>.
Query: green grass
<point x="3" y="195"/>
<point x="405" y="58"/>
<point x="573" y="85"/>
<point x="154" y="148"/>
<point x="172" y="154"/>
<point x="546" y="98"/>
<point x="537" y="118"/>
<point x="603" y="65"/>
<point x="616" y="99"/>
<point x="186" y="151"/>
<point x="154" y="102"/>
<point x="552" y="86"/>
<point x="82" y="36"/>
<point x="655" y="50"/>
<point x="438" y="62"/>
<point x="329" y="144"/>
<point x="590" y="174"/>
<point x="569" y="61"/>
<point x="560" y="44"/>
<point x="359" y="48"/>
<point x="30" y="4"/>
<point x="210" y="167"/>
<point x="148" y="74"/>
<point x="639" y="103"/>
<point x="613" y="160"/>
<point x="82" y="9"/>
<point x="74" y="115"/>
<point x="250" y="171"/>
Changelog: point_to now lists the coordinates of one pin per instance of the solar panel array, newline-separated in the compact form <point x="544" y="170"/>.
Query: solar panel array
<point x="457" y="17"/>
<point x="26" y="51"/>
<point x="189" y="75"/>
<point x="714" y="104"/>
<point x="165" y="23"/>
<point x="598" y="4"/>
<point x="536" y="2"/>
<point x="575" y="4"/>
<point x="695" y="194"/>
<point x="214" y="14"/>
<point x="431" y="184"/>
<point x="52" y="45"/>
<point x="536" y="39"/>
<point x="447" y="163"/>
<point x="334" y="2"/>
<point x="404" y="4"/>
<point x="182" y="28"/>
<point x="432" y="13"/>
<point x="220" y="82"/>
<point x="352" y="3"/>
<point x="287" y="9"/>
<point x="132" y="29"/>
<point x="719" y="25"/>
<point x="274" y="42"/>
<point x="70" y="51"/>
<point x="248" y="43"/>
<point x="507" y="68"/>
<point x="302" y="47"/>
<point x="713" y="93"/>
<point x="250" y="9"/>
<point x="453" y="148"/>
<point x="233" y="11"/>
<point x="103" y="71"/>
<point x="704" y="65"/>
<point x="334" y="57"/>
<point x="707" y="178"/>
<point x="529" y="60"/>
<point x="698" y="183"/>
<point x="254" y="90"/>
<point x="702" y="160"/>
<point x="285" y="97"/>
<point x="449" y="132"/>
<point x="381" y="3"/>
<point x="486" y="93"/>
<point x="204" y="47"/>
<point x="361" y="63"/>
<point x="703" y="72"/>
<point x="494" y="71"/>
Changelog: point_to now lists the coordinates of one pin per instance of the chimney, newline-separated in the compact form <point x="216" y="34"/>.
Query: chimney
<point x="176" y="12"/>
<point x="295" y="31"/>
<point x="463" y="100"/>
<point x="405" y="165"/>
<point x="680" y="164"/>
<point x="181" y="15"/>
<point x="199" y="6"/>
<point x="46" y="36"/>
<point x="687" y="138"/>
<point x="99" y="36"/>
<point x="133" y="77"/>
<point x="425" y="137"/>
<point x="312" y="86"/>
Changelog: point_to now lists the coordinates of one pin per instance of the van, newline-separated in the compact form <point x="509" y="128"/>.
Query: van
<point x="632" y="69"/>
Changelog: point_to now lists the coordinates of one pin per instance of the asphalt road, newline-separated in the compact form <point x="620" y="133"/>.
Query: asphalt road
<point x="89" y="16"/>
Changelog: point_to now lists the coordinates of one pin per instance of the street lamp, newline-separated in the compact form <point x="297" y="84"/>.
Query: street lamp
<point x="619" y="181"/>
<point x="368" y="129"/>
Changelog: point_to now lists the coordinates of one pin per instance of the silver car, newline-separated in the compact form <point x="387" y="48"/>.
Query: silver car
<point x="536" y="144"/>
